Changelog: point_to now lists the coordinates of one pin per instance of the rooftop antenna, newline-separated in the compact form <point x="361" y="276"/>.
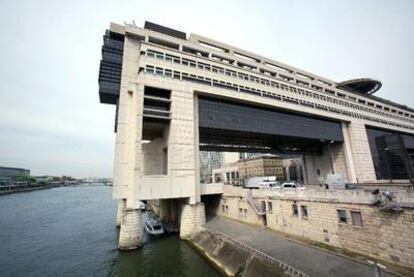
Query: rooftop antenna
<point x="133" y="23"/>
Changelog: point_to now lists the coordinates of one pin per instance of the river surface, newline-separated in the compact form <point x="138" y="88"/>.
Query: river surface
<point x="70" y="231"/>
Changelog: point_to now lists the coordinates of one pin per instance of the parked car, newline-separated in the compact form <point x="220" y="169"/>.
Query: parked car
<point x="292" y="185"/>
<point x="261" y="182"/>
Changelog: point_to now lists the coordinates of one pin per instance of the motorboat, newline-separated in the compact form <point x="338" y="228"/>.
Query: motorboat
<point x="152" y="225"/>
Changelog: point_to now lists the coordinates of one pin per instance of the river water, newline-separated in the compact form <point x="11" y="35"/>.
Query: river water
<point x="70" y="231"/>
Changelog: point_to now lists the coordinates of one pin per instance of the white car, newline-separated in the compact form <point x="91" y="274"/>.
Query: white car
<point x="260" y="182"/>
<point x="270" y="184"/>
<point x="292" y="185"/>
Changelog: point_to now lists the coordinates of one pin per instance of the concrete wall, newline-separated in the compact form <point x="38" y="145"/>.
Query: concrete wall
<point x="361" y="152"/>
<point x="385" y="236"/>
<point x="331" y="161"/>
<point x="154" y="156"/>
<point x="230" y="206"/>
<point x="233" y="260"/>
<point x="128" y="151"/>
<point x="313" y="163"/>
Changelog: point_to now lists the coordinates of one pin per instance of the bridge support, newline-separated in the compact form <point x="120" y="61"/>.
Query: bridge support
<point x="121" y="208"/>
<point x="131" y="235"/>
<point x="192" y="217"/>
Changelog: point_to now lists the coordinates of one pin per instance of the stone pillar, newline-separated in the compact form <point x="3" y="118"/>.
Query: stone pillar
<point x="192" y="217"/>
<point x="361" y="152"/>
<point x="131" y="235"/>
<point x="121" y="208"/>
<point x="349" y="159"/>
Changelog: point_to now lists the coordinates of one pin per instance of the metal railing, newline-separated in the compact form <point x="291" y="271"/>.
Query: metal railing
<point x="290" y="270"/>
<point x="253" y="204"/>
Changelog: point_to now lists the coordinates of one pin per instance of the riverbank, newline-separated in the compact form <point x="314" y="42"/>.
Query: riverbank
<point x="302" y="257"/>
<point x="25" y="189"/>
<point x="233" y="258"/>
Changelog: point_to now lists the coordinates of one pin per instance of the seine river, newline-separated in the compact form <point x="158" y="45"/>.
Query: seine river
<point x="70" y="231"/>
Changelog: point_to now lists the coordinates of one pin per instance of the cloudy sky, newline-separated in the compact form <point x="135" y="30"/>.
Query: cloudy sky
<point x="50" y="117"/>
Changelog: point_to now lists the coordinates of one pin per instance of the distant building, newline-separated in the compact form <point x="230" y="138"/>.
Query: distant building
<point x="208" y="162"/>
<point x="245" y="155"/>
<point x="230" y="157"/>
<point x="234" y="172"/>
<point x="262" y="166"/>
<point x="227" y="174"/>
<point x="13" y="172"/>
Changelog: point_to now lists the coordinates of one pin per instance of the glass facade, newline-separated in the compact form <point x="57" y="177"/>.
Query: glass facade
<point x="391" y="153"/>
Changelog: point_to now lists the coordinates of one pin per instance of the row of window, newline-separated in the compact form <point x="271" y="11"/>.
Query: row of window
<point x="303" y="210"/>
<point x="242" y="212"/>
<point x="267" y="82"/>
<point x="235" y="87"/>
<point x="356" y="216"/>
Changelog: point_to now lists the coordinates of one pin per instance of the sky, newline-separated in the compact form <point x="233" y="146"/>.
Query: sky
<point x="51" y="120"/>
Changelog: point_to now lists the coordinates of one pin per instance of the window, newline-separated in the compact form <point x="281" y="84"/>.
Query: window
<point x="341" y="216"/>
<point x="295" y="210"/>
<point x="356" y="218"/>
<point x="158" y="71"/>
<point x="227" y="209"/>
<point x="168" y="73"/>
<point x="304" y="211"/>
<point x="240" y="212"/>
<point x="269" y="207"/>
<point x="245" y="212"/>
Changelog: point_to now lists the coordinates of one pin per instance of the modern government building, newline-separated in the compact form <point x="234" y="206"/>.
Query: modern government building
<point x="177" y="95"/>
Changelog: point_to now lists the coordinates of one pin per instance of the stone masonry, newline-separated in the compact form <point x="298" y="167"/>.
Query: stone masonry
<point x="380" y="235"/>
<point x="192" y="217"/>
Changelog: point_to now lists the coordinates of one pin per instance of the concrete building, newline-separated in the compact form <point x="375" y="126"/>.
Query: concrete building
<point x="14" y="172"/>
<point x="227" y="174"/>
<point x="177" y="95"/>
<point x="261" y="166"/>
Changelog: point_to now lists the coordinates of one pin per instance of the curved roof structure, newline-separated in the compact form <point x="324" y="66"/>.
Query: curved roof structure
<point x="363" y="85"/>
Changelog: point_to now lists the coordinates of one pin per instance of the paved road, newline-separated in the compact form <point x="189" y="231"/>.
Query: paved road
<point x="307" y="259"/>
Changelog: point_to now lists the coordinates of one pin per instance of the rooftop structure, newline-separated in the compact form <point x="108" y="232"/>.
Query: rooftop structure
<point x="361" y="86"/>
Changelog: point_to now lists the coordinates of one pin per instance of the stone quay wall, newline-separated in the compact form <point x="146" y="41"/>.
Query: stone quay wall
<point x="343" y="219"/>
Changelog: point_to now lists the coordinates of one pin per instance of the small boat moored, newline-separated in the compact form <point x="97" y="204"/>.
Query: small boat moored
<point x="152" y="225"/>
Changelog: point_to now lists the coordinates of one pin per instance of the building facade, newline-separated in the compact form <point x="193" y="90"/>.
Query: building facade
<point x="208" y="162"/>
<point x="14" y="172"/>
<point x="177" y="95"/>
<point x="261" y="166"/>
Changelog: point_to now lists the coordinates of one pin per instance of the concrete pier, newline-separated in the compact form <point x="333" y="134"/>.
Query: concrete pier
<point x="131" y="235"/>
<point x="121" y="208"/>
<point x="192" y="218"/>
